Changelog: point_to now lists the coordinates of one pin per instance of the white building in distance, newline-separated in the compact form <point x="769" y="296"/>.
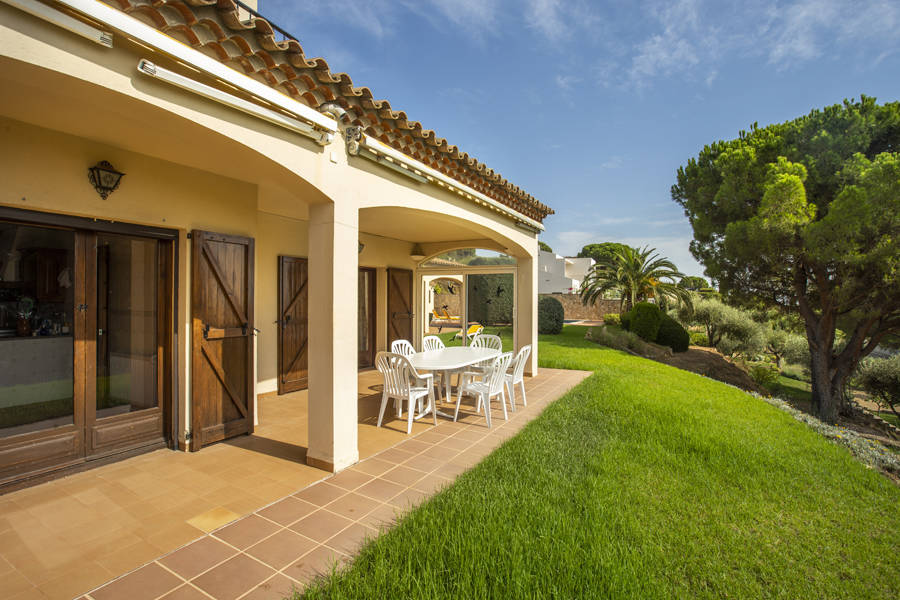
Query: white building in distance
<point x="560" y="274"/>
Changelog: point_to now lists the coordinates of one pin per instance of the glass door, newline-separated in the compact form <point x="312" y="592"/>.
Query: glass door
<point x="366" y="318"/>
<point x="491" y="303"/>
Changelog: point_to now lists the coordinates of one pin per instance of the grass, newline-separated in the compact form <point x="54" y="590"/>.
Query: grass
<point x="644" y="482"/>
<point x="890" y="418"/>
<point x="505" y="333"/>
<point x="790" y="389"/>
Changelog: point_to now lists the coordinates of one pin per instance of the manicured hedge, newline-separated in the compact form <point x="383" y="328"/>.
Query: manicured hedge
<point x="550" y="315"/>
<point x="673" y="335"/>
<point x="645" y="319"/>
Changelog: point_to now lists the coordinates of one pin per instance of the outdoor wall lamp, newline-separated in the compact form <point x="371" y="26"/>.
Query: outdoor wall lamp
<point x="104" y="178"/>
<point x="361" y="246"/>
<point x="416" y="253"/>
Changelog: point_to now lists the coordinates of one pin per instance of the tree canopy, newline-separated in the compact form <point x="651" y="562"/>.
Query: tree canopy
<point x="805" y="216"/>
<point x="693" y="283"/>
<point x="637" y="275"/>
<point x="544" y="246"/>
<point x="601" y="251"/>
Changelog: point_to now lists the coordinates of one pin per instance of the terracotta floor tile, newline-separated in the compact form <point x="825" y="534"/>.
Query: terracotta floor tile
<point x="383" y="517"/>
<point x="380" y="489"/>
<point x="403" y="475"/>
<point x="146" y="583"/>
<point x="321" y="494"/>
<point x="318" y="562"/>
<point x="424" y="463"/>
<point x="395" y="456"/>
<point x="13" y="583"/>
<point x="129" y="557"/>
<point x="439" y="452"/>
<point x="185" y="592"/>
<point x="197" y="557"/>
<point x="281" y="549"/>
<point x="247" y="531"/>
<point x="472" y="435"/>
<point x="431" y="484"/>
<point x="408" y="499"/>
<point x="451" y="470"/>
<point x="213" y="519"/>
<point x="432" y="437"/>
<point x="321" y="525"/>
<point x="373" y="466"/>
<point x="353" y="506"/>
<point x="233" y="578"/>
<point x="350" y="540"/>
<point x="278" y="587"/>
<point x="454" y="443"/>
<point x="287" y="511"/>
<point x="350" y="479"/>
<point x="412" y="446"/>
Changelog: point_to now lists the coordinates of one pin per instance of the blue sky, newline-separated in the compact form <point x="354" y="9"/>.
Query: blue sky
<point x="593" y="106"/>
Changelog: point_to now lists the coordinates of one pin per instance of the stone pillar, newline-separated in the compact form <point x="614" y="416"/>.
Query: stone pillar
<point x="526" y="311"/>
<point x="332" y="351"/>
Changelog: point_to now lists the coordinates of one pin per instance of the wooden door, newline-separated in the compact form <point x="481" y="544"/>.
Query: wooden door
<point x="400" y="309"/>
<point x="222" y="390"/>
<point x="366" y="319"/>
<point x="293" y="326"/>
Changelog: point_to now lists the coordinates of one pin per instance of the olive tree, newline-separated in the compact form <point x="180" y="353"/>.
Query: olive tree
<point x="805" y="216"/>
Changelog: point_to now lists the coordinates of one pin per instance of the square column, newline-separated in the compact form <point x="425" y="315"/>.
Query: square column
<point x="526" y="313"/>
<point x="332" y="349"/>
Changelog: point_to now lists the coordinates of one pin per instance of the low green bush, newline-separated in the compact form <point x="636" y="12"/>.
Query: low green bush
<point x="550" y="315"/>
<point x="612" y="319"/>
<point x="618" y="339"/>
<point x="698" y="338"/>
<point x="880" y="377"/>
<point x="645" y="319"/>
<point x="625" y="321"/>
<point x="673" y="335"/>
<point x="763" y="373"/>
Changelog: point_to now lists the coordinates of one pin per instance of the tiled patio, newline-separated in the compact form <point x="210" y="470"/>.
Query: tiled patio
<point x="60" y="539"/>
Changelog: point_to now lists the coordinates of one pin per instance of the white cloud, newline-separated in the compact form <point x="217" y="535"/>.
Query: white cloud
<point x="613" y="162"/>
<point x="544" y="15"/>
<point x="565" y="82"/>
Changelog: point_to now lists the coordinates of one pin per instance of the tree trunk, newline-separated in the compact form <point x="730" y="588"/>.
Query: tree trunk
<point x="827" y="384"/>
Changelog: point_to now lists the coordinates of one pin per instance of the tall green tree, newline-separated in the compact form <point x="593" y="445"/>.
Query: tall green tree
<point x="637" y="275"/>
<point x="601" y="251"/>
<point x="544" y="246"/>
<point x="805" y="216"/>
<point x="693" y="283"/>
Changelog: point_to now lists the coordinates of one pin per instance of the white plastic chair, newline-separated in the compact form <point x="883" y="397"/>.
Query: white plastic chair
<point x="516" y="374"/>
<point x="403" y="347"/>
<point x="432" y="342"/>
<point x="399" y="378"/>
<point x="492" y="385"/>
<point x="487" y="341"/>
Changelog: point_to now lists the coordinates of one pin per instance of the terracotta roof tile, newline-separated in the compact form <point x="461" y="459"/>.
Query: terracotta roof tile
<point x="251" y="47"/>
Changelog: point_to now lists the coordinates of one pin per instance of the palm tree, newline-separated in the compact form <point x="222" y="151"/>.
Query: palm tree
<point x="638" y="275"/>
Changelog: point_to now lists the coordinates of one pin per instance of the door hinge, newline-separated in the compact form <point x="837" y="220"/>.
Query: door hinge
<point x="82" y="307"/>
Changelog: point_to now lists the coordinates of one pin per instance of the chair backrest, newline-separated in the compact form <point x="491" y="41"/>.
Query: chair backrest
<point x="498" y="372"/>
<point x="403" y="347"/>
<point x="432" y="342"/>
<point x="446" y="314"/>
<point x="487" y="341"/>
<point x="396" y="370"/>
<point x="519" y="363"/>
<point x="474" y="329"/>
<point x="435" y="314"/>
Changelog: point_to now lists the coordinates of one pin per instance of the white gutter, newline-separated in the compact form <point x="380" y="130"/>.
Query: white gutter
<point x="149" y="36"/>
<point x="60" y="19"/>
<point x="186" y="83"/>
<point x="419" y="168"/>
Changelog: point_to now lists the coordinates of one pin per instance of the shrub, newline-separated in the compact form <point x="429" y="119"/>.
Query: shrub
<point x="880" y="377"/>
<point x="625" y="321"/>
<point x="645" y="320"/>
<point x="550" y="315"/>
<point x="620" y="340"/>
<point x="673" y="335"/>
<point x="763" y="373"/>
<point x="698" y="338"/>
<point x="612" y="319"/>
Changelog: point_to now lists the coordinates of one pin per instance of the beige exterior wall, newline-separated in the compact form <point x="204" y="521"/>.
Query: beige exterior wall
<point x="66" y="103"/>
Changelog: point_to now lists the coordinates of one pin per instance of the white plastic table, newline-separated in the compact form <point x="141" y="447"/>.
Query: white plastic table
<point x="449" y="360"/>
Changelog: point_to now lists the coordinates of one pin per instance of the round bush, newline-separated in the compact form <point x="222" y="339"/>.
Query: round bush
<point x="645" y="320"/>
<point x="612" y="319"/>
<point x="698" y="338"/>
<point x="550" y="315"/>
<point x="673" y="335"/>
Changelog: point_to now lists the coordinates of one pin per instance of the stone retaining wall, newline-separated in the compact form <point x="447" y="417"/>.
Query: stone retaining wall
<point x="574" y="309"/>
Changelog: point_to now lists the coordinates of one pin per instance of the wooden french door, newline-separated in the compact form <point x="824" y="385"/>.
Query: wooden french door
<point x="89" y="374"/>
<point x="222" y="389"/>
<point x="400" y="314"/>
<point x="366" y="318"/>
<point x="293" y="325"/>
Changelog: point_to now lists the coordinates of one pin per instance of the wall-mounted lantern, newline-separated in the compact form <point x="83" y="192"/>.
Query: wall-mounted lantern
<point x="104" y="178"/>
<point x="417" y="253"/>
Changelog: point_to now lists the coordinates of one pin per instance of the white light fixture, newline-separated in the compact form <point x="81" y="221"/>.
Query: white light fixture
<point x="148" y="68"/>
<point x="379" y="148"/>
<point x="60" y="19"/>
<point x="128" y="25"/>
<point x="392" y="165"/>
<point x="417" y="253"/>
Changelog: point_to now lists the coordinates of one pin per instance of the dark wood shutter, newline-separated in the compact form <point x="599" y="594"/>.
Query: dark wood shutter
<point x="400" y="308"/>
<point x="293" y="324"/>
<point x="222" y="390"/>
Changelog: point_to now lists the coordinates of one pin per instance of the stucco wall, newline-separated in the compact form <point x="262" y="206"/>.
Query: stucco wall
<point x="574" y="309"/>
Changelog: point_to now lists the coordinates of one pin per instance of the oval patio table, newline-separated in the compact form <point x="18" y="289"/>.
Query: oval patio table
<point x="448" y="360"/>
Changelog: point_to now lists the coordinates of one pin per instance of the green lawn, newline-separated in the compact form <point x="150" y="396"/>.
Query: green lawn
<point x="505" y="333"/>
<point x="644" y="482"/>
<point x="789" y="389"/>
